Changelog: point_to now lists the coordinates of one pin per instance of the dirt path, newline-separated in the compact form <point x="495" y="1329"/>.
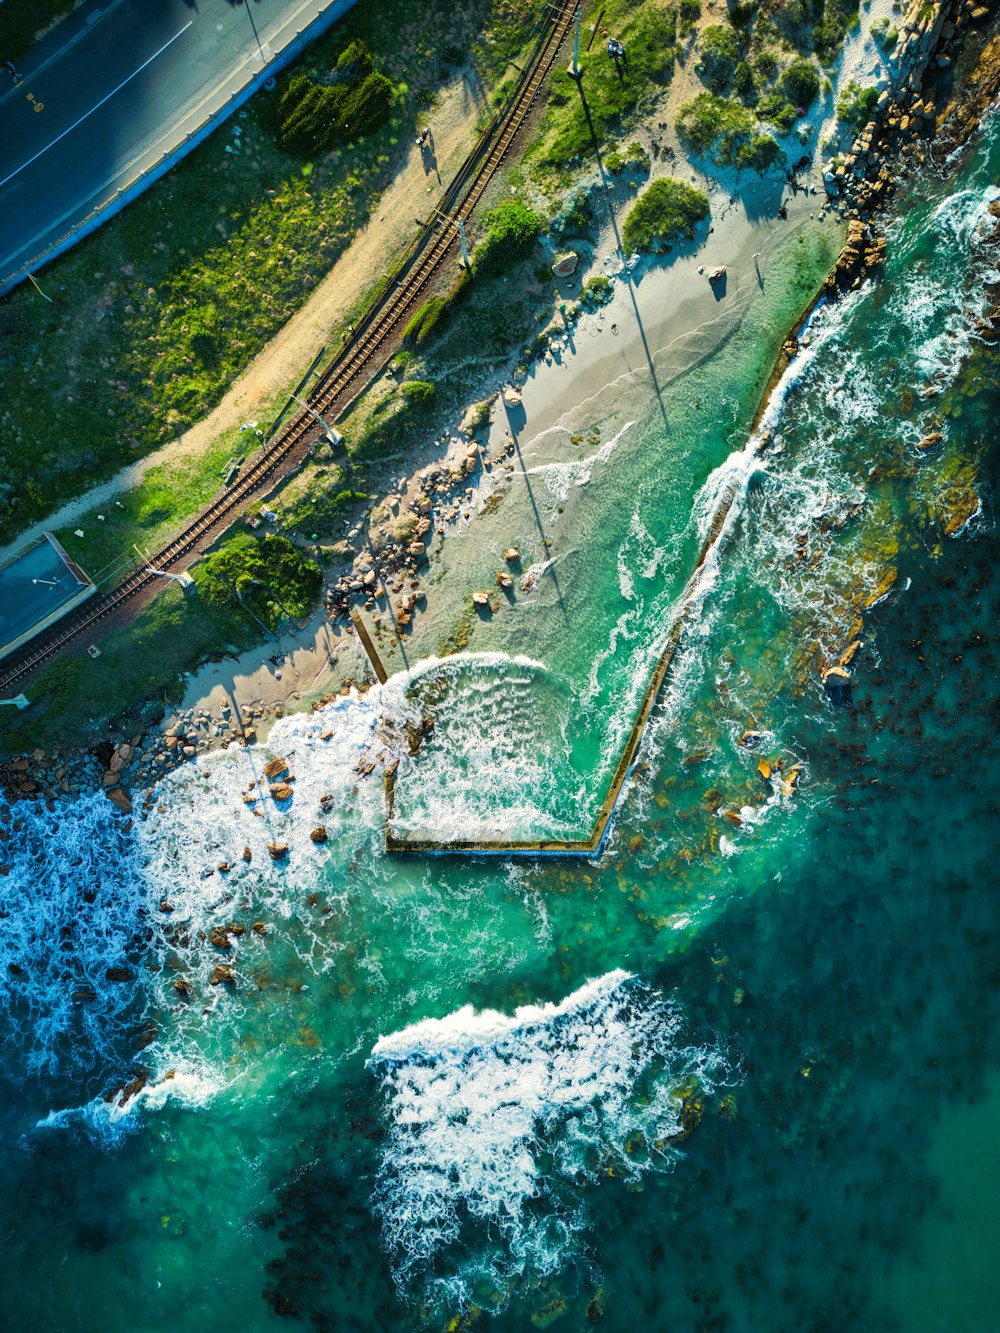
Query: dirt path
<point x="277" y="368"/>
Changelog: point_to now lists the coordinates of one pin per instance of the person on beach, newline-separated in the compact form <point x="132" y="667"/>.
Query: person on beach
<point x="424" y="138"/>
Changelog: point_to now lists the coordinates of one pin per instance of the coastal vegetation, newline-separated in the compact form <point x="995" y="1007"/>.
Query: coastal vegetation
<point x="666" y="212"/>
<point x="267" y="576"/>
<point x="854" y="104"/>
<point x="154" y="316"/>
<point x="723" y="130"/>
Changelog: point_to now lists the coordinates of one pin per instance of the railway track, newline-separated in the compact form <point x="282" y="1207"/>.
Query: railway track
<point x="383" y="321"/>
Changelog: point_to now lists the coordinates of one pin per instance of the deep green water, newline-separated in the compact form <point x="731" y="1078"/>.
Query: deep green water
<point x="815" y="976"/>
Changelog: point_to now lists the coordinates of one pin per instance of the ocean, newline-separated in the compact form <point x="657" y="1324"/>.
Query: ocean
<point x="738" y="1072"/>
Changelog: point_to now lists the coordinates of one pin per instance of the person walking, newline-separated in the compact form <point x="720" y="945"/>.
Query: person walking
<point x="9" y="67"/>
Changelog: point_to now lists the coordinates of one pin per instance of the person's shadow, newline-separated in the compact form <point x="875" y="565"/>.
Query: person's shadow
<point x="428" y="158"/>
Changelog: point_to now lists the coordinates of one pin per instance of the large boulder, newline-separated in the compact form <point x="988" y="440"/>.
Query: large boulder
<point x="565" y="264"/>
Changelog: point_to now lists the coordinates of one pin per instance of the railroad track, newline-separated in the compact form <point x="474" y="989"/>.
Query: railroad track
<point x="385" y="319"/>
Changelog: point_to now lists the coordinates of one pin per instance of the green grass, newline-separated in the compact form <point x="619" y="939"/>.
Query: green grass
<point x="726" y="132"/>
<point x="648" y="33"/>
<point x="74" y="698"/>
<point x="156" y="314"/>
<point x="666" y="212"/>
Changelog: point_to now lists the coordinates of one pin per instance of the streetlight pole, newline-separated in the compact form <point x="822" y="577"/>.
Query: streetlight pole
<point x="574" y="70"/>
<point x="332" y="435"/>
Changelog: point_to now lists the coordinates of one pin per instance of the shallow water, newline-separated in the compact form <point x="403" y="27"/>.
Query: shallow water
<point x="737" y="1073"/>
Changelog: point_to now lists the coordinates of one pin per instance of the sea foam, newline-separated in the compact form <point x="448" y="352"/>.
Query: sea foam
<point x="497" y="1123"/>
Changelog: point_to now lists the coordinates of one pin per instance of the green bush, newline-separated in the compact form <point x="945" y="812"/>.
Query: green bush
<point x="365" y="108"/>
<point x="512" y="228"/>
<point x="424" y="321"/>
<point x="743" y="83"/>
<point x="828" y="35"/>
<point x="615" y="163"/>
<point x="307" y="116"/>
<point x="666" y="212"/>
<point x="885" y="33"/>
<point x="760" y="151"/>
<point x="355" y="61"/>
<point x="709" y="120"/>
<point x="721" y="50"/>
<point x="801" y="82"/>
<point x="777" y="112"/>
<point x="266" y="575"/>
<point x="418" y="392"/>
<point x="690" y="11"/>
<point x="855" y="103"/>
<point x="597" y="291"/>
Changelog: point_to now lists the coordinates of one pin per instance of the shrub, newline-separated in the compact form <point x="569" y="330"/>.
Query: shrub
<point x="801" y="82"/>
<point x="636" y="156"/>
<point x="828" y="35"/>
<point x="743" y="84"/>
<point x="690" y="14"/>
<point x="711" y="120"/>
<point x="615" y="163"/>
<point x="759" y="152"/>
<point x="266" y="575"/>
<point x="777" y="112"/>
<point x="429" y="315"/>
<point x="721" y="50"/>
<point x="418" y="392"/>
<point x="855" y="103"/>
<point x="666" y="212"/>
<point x="885" y="34"/>
<point x="511" y="232"/>
<point x="355" y="61"/>
<point x="765" y="63"/>
<point x="366" y="108"/>
<point x="307" y="115"/>
<point x="597" y="291"/>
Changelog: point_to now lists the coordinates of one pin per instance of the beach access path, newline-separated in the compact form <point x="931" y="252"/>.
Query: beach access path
<point x="116" y="94"/>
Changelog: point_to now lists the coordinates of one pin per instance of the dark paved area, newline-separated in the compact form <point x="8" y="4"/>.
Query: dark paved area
<point x="112" y="90"/>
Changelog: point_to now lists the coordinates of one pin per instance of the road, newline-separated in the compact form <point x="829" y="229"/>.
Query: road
<point x="114" y="89"/>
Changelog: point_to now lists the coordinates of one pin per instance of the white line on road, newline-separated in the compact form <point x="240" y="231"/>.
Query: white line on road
<point x="111" y="94"/>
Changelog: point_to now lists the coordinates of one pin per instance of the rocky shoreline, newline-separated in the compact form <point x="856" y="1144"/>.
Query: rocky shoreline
<point x="384" y="576"/>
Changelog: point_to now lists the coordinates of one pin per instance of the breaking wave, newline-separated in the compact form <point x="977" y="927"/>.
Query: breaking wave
<point x="498" y="1123"/>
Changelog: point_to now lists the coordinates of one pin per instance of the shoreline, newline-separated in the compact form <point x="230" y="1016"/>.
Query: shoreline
<point x="260" y="685"/>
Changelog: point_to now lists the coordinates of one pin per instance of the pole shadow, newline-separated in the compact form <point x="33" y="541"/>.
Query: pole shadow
<point x="514" y="421"/>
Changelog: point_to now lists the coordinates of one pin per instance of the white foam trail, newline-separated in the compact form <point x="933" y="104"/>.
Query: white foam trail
<point x="561" y="477"/>
<point x="107" y="1122"/>
<point x="496" y="1120"/>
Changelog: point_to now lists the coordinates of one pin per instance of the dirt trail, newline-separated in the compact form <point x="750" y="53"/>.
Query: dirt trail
<point x="418" y="183"/>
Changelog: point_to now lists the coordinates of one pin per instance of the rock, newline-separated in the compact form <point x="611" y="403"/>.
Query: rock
<point x="223" y="867"/>
<point x="277" y="850"/>
<point x="84" y="994"/>
<point x="119" y="974"/>
<point x="319" y="833"/>
<point x="259" y="928"/>
<point x="512" y="555"/>
<point x="481" y="598"/>
<point x="281" y="791"/>
<point x="764" y="769"/>
<point x="219" y="938"/>
<point x="837" y="683"/>
<point x="275" y="767"/>
<point x="565" y="264"/>
<point x="930" y="440"/>
<point x="717" y="274"/>
<point x="121" y="799"/>
<point x="247" y="855"/>
<point x="222" y="976"/>
<point x="511" y="396"/>
<point x="751" y="739"/>
<point x="183" y="987"/>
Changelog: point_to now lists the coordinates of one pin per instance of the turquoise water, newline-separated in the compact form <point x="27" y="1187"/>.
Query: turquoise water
<point x="740" y="1072"/>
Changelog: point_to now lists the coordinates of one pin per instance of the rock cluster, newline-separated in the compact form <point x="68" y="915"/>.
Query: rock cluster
<point x="863" y="177"/>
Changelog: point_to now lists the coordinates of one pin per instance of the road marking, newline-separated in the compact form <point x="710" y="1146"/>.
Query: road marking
<point x="97" y="107"/>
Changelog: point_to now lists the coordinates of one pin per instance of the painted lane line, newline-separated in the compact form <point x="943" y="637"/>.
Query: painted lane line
<point x="98" y="105"/>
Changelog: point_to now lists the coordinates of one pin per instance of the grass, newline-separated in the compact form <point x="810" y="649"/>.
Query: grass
<point x="614" y="101"/>
<point x="73" y="699"/>
<point x="156" y="314"/>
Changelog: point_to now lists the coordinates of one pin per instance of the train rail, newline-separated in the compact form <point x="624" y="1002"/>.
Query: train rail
<point x="352" y="367"/>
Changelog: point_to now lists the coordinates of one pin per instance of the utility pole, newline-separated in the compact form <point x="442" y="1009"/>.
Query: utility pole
<point x="333" y="436"/>
<point x="466" y="261"/>
<point x="574" y="71"/>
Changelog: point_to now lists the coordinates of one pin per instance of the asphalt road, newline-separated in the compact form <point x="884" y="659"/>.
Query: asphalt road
<point x="126" y="83"/>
